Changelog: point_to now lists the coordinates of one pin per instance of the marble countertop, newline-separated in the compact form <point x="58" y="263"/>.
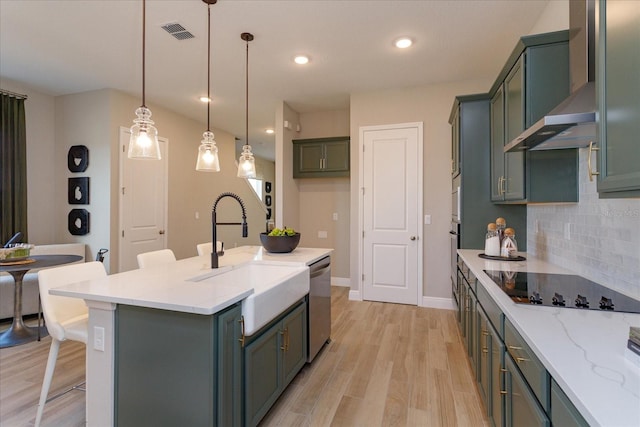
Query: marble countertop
<point x="181" y="286"/>
<point x="583" y="350"/>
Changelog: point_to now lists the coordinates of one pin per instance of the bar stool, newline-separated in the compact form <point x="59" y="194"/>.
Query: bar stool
<point x="150" y="259"/>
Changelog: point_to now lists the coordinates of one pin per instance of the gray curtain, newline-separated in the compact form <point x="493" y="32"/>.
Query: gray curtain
<point x="13" y="168"/>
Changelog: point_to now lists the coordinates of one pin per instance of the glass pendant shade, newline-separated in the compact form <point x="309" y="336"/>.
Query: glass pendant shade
<point x="246" y="163"/>
<point x="208" y="160"/>
<point x="143" y="143"/>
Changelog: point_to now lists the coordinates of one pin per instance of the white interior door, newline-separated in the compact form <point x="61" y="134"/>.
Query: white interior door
<point x="143" y="204"/>
<point x="391" y="207"/>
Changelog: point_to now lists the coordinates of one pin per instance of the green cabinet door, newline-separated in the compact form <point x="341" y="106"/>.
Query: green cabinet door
<point x="321" y="157"/>
<point x="309" y="157"/>
<point x="272" y="358"/>
<point x="497" y="390"/>
<point x="263" y="376"/>
<point x="521" y="406"/>
<point x="563" y="413"/>
<point x="497" y="144"/>
<point x="455" y="144"/>
<point x="229" y="369"/>
<point x="483" y="366"/>
<point x="295" y="337"/>
<point x="618" y="94"/>
<point x="514" y="125"/>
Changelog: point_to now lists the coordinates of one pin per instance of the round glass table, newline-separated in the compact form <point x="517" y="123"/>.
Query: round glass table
<point x="18" y="332"/>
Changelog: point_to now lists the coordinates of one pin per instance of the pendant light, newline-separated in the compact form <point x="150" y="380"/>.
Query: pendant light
<point x="246" y="163"/>
<point x="208" y="160"/>
<point x="143" y="143"/>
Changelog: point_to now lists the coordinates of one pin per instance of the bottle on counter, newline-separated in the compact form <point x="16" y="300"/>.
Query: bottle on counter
<point x="492" y="241"/>
<point x="501" y="224"/>
<point x="509" y="246"/>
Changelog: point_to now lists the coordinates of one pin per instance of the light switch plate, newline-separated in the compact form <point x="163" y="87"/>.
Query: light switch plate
<point x="427" y="219"/>
<point x="98" y="338"/>
<point x="322" y="234"/>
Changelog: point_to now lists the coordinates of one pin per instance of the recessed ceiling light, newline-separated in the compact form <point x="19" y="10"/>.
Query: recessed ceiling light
<point x="403" y="42"/>
<point x="205" y="99"/>
<point x="270" y="131"/>
<point x="301" y="59"/>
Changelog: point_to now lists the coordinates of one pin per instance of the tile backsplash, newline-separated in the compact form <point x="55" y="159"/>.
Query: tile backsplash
<point x="596" y="238"/>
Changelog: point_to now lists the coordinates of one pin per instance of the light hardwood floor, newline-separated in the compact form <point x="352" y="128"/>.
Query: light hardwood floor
<point x="386" y="365"/>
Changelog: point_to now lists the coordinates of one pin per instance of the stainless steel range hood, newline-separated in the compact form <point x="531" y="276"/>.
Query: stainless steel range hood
<point x="572" y="123"/>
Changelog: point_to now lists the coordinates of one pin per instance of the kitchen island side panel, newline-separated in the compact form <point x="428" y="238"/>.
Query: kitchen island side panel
<point x="164" y="368"/>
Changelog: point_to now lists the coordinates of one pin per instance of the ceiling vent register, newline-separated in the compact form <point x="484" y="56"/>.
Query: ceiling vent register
<point x="177" y="31"/>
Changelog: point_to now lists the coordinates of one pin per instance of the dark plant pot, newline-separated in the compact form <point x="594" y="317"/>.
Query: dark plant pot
<point x="279" y="244"/>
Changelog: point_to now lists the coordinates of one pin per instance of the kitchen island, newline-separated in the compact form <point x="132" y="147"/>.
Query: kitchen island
<point x="148" y="308"/>
<point x="583" y="351"/>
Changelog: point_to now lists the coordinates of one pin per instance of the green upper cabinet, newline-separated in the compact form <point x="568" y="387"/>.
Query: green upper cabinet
<point x="321" y="157"/>
<point x="618" y="88"/>
<point x="455" y="144"/>
<point x="533" y="81"/>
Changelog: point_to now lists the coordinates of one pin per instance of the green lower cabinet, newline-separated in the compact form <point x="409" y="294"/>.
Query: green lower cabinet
<point x="496" y="406"/>
<point x="563" y="413"/>
<point x="173" y="368"/>
<point x="521" y="406"/>
<point x="230" y="368"/>
<point x="272" y="358"/>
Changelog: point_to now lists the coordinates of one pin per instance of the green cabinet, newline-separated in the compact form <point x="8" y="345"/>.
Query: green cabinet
<point x="521" y="407"/>
<point x="618" y="91"/>
<point x="533" y="81"/>
<point x="321" y="157"/>
<point x="194" y="375"/>
<point x="513" y="384"/>
<point x="471" y="139"/>
<point x="455" y="142"/>
<point x="272" y="358"/>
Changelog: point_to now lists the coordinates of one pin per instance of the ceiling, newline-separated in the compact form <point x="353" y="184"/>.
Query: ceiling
<point x="67" y="46"/>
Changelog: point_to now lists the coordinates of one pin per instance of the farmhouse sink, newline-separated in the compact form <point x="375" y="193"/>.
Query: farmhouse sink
<point x="276" y="286"/>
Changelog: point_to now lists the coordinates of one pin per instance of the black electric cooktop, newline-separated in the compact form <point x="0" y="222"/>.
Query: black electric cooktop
<point x="561" y="290"/>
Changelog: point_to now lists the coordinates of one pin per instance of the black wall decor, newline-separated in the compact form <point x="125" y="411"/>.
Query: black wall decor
<point x="78" y="223"/>
<point x="268" y="213"/>
<point x="267" y="187"/>
<point x="78" y="191"/>
<point x="267" y="200"/>
<point x="78" y="158"/>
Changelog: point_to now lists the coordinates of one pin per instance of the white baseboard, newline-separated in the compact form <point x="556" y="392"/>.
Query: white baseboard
<point x="355" y="295"/>
<point x="341" y="281"/>
<point x="436" y="302"/>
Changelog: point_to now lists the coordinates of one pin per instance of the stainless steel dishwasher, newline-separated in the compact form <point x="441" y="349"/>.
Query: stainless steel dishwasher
<point x="319" y="306"/>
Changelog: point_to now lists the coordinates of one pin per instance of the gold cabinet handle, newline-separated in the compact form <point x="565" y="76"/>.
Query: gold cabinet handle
<point x="241" y="339"/>
<point x="521" y="359"/>
<point x="589" y="169"/>
<point x="503" y="392"/>
<point x="513" y="347"/>
<point x="283" y="347"/>
<point x="485" y="350"/>
<point x="287" y="335"/>
<point x="485" y="332"/>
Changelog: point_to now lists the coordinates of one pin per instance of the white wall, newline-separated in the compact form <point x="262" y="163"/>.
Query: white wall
<point x="430" y="105"/>
<point x="83" y="119"/>
<point x="320" y="198"/>
<point x="287" y="192"/>
<point x="554" y="17"/>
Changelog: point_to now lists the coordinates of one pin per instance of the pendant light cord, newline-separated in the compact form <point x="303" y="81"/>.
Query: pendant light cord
<point x="144" y="13"/>
<point x="246" y="91"/>
<point x="208" y="65"/>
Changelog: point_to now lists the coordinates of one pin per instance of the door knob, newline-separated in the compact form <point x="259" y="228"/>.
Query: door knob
<point x="161" y="232"/>
<point x="413" y="237"/>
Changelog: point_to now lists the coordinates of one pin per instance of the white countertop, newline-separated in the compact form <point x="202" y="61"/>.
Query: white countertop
<point x="180" y="286"/>
<point x="583" y="350"/>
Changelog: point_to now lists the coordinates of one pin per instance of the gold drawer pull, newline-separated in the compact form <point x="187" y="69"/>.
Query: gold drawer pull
<point x="513" y="347"/>
<point x="485" y="332"/>
<point x="503" y="392"/>
<point x="241" y="339"/>
<point x="485" y="350"/>
<point x="521" y="359"/>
